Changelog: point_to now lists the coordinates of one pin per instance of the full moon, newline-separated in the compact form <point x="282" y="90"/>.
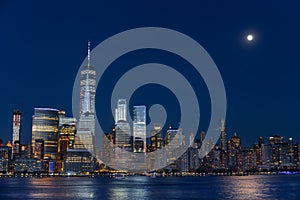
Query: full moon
<point x="249" y="37"/>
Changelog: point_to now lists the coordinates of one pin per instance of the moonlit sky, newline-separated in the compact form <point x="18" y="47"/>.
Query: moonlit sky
<point x="43" y="43"/>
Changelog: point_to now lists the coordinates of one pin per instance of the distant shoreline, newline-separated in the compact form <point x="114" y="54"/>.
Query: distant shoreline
<point x="151" y="175"/>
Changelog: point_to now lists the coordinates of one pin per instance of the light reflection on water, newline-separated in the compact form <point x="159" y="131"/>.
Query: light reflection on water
<point x="60" y="188"/>
<point x="131" y="188"/>
<point x="247" y="187"/>
<point x="232" y="187"/>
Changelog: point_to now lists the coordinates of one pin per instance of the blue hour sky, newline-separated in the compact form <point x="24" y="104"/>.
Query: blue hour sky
<point x="43" y="44"/>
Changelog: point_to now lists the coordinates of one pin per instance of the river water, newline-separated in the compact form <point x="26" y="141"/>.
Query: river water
<point x="141" y="187"/>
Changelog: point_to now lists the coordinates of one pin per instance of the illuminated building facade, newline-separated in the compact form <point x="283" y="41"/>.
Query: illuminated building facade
<point x="17" y="117"/>
<point x="223" y="145"/>
<point x="122" y="135"/>
<point x="234" y="153"/>
<point x="45" y="130"/>
<point x="87" y="125"/>
<point x="258" y="150"/>
<point x="78" y="160"/>
<point x="139" y="128"/>
<point x="174" y="141"/>
<point x="87" y="87"/>
<point x="67" y="132"/>
<point x="5" y="155"/>
<point x="38" y="150"/>
<point x="248" y="158"/>
<point x="122" y="127"/>
<point x="17" y="121"/>
<point x="156" y="159"/>
<point x="79" y="154"/>
<point x="296" y="153"/>
<point x="121" y="111"/>
<point x="156" y="139"/>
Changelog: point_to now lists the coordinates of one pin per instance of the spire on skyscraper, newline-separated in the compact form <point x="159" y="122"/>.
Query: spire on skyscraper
<point x="89" y="54"/>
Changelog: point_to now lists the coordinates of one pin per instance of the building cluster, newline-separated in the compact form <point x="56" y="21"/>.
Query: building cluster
<point x="275" y="154"/>
<point x="62" y="144"/>
<point x="59" y="143"/>
<point x="129" y="147"/>
<point x="172" y="151"/>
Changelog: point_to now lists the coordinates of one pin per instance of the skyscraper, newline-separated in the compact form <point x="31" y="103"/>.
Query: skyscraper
<point x="223" y="144"/>
<point x="139" y="128"/>
<point x="86" y="125"/>
<point x="66" y="138"/>
<point x="174" y="141"/>
<point x="234" y="153"/>
<point x="87" y="87"/>
<point x="17" y="117"/>
<point x="17" y="121"/>
<point x="67" y="131"/>
<point x="122" y="127"/>
<point x="45" y="131"/>
<point x="121" y="111"/>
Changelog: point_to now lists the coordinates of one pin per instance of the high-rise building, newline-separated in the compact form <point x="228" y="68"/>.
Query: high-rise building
<point x="156" y="139"/>
<point x="266" y="154"/>
<point x="122" y="127"/>
<point x="67" y="131"/>
<point x="223" y="145"/>
<point x="291" y="150"/>
<point x="123" y="134"/>
<point x="79" y="157"/>
<point x="258" y="150"/>
<point x="17" y="121"/>
<point x="45" y="131"/>
<point x="139" y="128"/>
<point x="87" y="87"/>
<point x="234" y="153"/>
<point x="121" y="111"/>
<point x="38" y="150"/>
<point x="5" y="156"/>
<point x="87" y="124"/>
<point x="276" y="139"/>
<point x="174" y="145"/>
<point x="248" y="158"/>
<point x="17" y="117"/>
<point x="296" y="149"/>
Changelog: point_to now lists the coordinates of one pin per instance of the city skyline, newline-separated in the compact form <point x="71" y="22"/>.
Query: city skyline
<point x="61" y="145"/>
<point x="17" y="124"/>
<point x="55" y="149"/>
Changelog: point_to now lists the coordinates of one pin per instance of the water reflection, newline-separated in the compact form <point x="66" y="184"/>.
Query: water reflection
<point x="207" y="187"/>
<point x="246" y="187"/>
<point x="46" y="188"/>
<point x="130" y="188"/>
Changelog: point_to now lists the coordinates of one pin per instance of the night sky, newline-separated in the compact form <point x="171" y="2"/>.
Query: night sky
<point x="43" y="44"/>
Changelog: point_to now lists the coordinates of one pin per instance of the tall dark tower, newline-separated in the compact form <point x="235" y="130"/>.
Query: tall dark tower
<point x="17" y="120"/>
<point x="258" y="150"/>
<point x="223" y="144"/>
<point x="16" y="137"/>
<point x="260" y="141"/>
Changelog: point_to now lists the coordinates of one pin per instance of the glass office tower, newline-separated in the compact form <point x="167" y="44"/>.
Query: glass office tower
<point x="45" y="131"/>
<point x="121" y="111"/>
<point x="139" y="128"/>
